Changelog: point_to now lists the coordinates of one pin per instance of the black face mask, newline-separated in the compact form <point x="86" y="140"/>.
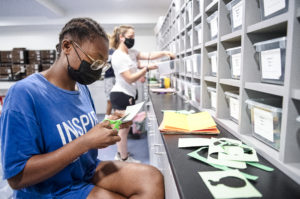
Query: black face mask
<point x="129" y="43"/>
<point x="84" y="75"/>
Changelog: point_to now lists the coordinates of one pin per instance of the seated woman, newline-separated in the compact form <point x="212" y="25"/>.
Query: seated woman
<point x="50" y="135"/>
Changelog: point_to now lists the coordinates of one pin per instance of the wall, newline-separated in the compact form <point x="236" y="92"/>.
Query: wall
<point x="46" y="37"/>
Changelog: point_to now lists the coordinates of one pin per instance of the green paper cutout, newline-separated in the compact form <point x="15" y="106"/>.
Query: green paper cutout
<point x="219" y="190"/>
<point x="218" y="149"/>
<point x="260" y="166"/>
<point x="195" y="155"/>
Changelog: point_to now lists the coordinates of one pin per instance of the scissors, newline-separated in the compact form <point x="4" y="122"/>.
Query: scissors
<point x="117" y="123"/>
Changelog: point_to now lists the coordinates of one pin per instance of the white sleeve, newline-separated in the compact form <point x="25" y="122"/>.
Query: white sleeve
<point x="121" y="63"/>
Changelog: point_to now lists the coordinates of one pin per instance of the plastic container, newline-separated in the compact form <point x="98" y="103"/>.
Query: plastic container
<point x="198" y="29"/>
<point x="190" y="38"/>
<point x="188" y="12"/>
<point x="234" y="104"/>
<point x="266" y="120"/>
<point x="188" y="65"/>
<point x="196" y="60"/>
<point x="272" y="60"/>
<point x="213" y="24"/>
<point x="236" y="14"/>
<point x="213" y="62"/>
<point x="195" y="93"/>
<point x="199" y="4"/>
<point x="187" y="90"/>
<point x="213" y="97"/>
<point x="235" y="61"/>
<point x="181" y="67"/>
<point x="271" y="8"/>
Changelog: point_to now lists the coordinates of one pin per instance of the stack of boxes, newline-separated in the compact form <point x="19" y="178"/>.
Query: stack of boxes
<point x="20" y="63"/>
<point x="5" y="65"/>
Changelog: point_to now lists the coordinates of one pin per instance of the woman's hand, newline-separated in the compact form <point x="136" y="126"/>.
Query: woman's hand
<point x="117" y="115"/>
<point x="152" y="66"/>
<point x="171" y="55"/>
<point x="101" y="136"/>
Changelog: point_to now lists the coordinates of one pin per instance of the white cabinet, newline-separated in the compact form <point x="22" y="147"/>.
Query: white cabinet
<point x="157" y="154"/>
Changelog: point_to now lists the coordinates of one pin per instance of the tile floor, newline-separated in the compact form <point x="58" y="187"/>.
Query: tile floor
<point x="137" y="147"/>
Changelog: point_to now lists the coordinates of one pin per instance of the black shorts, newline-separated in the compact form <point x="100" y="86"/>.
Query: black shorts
<point x="120" y="100"/>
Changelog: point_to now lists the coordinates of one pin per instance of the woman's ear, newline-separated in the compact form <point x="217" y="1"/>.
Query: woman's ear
<point x="66" y="46"/>
<point x="121" y="38"/>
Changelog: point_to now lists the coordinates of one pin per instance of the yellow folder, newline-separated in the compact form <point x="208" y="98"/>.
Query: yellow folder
<point x="201" y="122"/>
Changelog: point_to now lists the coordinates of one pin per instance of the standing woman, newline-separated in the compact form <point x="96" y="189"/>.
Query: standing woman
<point x="125" y="64"/>
<point x="49" y="132"/>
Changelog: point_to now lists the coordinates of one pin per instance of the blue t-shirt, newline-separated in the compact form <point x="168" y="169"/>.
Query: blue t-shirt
<point x="38" y="118"/>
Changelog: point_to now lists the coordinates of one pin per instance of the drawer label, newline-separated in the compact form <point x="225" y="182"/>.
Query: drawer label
<point x="236" y="64"/>
<point x="237" y="13"/>
<point x="272" y="6"/>
<point x="271" y="64"/>
<point x="263" y="124"/>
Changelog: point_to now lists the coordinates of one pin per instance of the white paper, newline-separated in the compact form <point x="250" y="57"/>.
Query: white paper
<point x="271" y="64"/>
<point x="214" y="27"/>
<point x="131" y="111"/>
<point x="213" y="98"/>
<point x="236" y="64"/>
<point x="234" y="108"/>
<point x="263" y="124"/>
<point x="193" y="142"/>
<point x="272" y="6"/>
<point x="214" y="63"/>
<point x="237" y="13"/>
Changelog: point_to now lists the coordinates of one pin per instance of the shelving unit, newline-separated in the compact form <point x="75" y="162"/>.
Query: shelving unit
<point x="249" y="85"/>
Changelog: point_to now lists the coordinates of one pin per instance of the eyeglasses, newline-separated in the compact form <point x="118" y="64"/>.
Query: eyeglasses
<point x="96" y="64"/>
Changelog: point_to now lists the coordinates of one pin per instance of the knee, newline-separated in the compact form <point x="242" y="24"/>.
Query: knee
<point x="153" y="175"/>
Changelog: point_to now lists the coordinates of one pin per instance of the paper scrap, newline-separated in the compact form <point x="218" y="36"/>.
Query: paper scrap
<point x="193" y="142"/>
<point x="237" y="187"/>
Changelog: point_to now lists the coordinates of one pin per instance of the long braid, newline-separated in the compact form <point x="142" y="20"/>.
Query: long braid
<point x="81" y="29"/>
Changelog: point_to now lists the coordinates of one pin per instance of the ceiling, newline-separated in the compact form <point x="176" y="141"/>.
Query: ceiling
<point x="19" y="13"/>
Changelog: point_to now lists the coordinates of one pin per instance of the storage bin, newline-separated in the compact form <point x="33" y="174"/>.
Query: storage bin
<point x="188" y="13"/>
<point x="188" y="65"/>
<point x="236" y="14"/>
<point x="199" y="4"/>
<point x="187" y="90"/>
<point x="272" y="60"/>
<point x="177" y="64"/>
<point x="234" y="105"/>
<point x="198" y="29"/>
<point x="195" y="93"/>
<point x="190" y="38"/>
<point x="181" y="67"/>
<point x="213" y="24"/>
<point x="266" y="120"/>
<point x="271" y="8"/>
<point x="235" y="61"/>
<point x="213" y="97"/>
<point x="213" y="62"/>
<point x="196" y="63"/>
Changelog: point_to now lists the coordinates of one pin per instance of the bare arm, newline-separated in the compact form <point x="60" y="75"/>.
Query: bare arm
<point x="133" y="77"/>
<point x="154" y="55"/>
<point x="41" y="167"/>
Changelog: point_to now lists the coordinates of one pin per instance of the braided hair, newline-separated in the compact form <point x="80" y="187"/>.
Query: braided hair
<point x="81" y="29"/>
<point x="115" y="37"/>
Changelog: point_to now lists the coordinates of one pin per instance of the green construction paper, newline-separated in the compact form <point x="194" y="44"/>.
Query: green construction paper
<point x="260" y="166"/>
<point x="195" y="155"/>
<point x="219" y="190"/>
<point x="236" y="153"/>
<point x="230" y="163"/>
